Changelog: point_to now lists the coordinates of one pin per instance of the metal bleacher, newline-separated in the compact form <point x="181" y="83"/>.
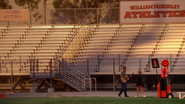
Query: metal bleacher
<point x="23" y="43"/>
<point x="130" y="45"/>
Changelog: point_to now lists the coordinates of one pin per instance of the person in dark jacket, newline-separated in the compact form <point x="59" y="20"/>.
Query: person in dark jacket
<point x="140" y="84"/>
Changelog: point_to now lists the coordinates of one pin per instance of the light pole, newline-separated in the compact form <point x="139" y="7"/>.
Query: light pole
<point x="44" y="14"/>
<point x="44" y="4"/>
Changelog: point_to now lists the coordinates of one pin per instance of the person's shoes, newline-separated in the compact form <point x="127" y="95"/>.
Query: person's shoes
<point x="126" y="96"/>
<point x="144" y="95"/>
<point x="119" y="95"/>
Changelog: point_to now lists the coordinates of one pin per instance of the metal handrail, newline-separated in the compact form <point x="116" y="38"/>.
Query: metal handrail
<point x="70" y="39"/>
<point x="73" y="76"/>
<point x="75" y="69"/>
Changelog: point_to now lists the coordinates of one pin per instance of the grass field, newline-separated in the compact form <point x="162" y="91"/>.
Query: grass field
<point x="92" y="100"/>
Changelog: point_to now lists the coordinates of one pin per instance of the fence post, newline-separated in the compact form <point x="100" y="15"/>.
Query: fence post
<point x="50" y="73"/>
<point x="114" y="75"/>
<point x="33" y="73"/>
<point x="90" y="84"/>
<point x="87" y="65"/>
<point x="59" y="67"/>
<point x="149" y="63"/>
<point x="11" y="75"/>
<point x="139" y="64"/>
<point x="20" y="64"/>
<point x="98" y="63"/>
<point x="75" y="15"/>
<point x="31" y="66"/>
<point x="0" y="64"/>
<point x="97" y="15"/>
<point x="44" y="4"/>
<point x="119" y="65"/>
<point x="63" y="64"/>
<point x="171" y="62"/>
<point x="30" y="19"/>
<point x="80" y="86"/>
<point x="37" y="65"/>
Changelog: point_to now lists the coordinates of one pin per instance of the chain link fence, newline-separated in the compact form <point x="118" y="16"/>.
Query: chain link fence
<point x="69" y="16"/>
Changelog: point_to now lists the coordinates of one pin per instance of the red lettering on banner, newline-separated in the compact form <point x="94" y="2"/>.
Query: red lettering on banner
<point x="155" y="6"/>
<point x="132" y="7"/>
<point x="143" y="15"/>
<point x="175" y="14"/>
<point x="164" y="13"/>
<point x="157" y="13"/>
<point x="154" y="14"/>
<point x="150" y="6"/>
<point x="140" y="14"/>
<point x="178" y="6"/>
<point x="171" y="14"/>
<point x="135" y="14"/>
<point x="127" y="15"/>
<point x="182" y="13"/>
<point x="149" y="14"/>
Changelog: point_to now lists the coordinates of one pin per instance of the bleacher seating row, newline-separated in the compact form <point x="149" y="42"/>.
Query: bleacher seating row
<point x="130" y="45"/>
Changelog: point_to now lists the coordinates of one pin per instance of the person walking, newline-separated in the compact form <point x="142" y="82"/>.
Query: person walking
<point x="124" y="79"/>
<point x="140" y="84"/>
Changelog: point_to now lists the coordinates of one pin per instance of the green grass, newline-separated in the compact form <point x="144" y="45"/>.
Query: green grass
<point x="92" y="100"/>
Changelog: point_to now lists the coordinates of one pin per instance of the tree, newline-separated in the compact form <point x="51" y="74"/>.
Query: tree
<point x="4" y="4"/>
<point x="28" y="4"/>
<point x="67" y="15"/>
<point x="31" y="5"/>
<point x="80" y="3"/>
<point x="91" y="14"/>
<point x="61" y="15"/>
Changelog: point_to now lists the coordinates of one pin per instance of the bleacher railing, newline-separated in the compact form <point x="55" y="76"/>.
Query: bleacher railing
<point x="70" y="39"/>
<point x="85" y="65"/>
<point x="78" y="79"/>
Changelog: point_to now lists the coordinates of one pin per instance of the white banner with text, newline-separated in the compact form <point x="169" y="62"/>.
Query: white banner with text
<point x="152" y="11"/>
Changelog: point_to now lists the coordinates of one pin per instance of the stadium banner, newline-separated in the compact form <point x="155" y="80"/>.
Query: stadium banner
<point x="152" y="11"/>
<point x="14" y="15"/>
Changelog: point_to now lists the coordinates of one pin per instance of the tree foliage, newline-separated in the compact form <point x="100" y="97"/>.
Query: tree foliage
<point x="28" y="4"/>
<point x="68" y="15"/>
<point x="4" y="4"/>
<point x="32" y="5"/>
<point x="92" y="14"/>
<point x="80" y="3"/>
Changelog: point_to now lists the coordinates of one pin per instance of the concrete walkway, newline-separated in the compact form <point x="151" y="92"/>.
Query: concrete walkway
<point x="88" y="94"/>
